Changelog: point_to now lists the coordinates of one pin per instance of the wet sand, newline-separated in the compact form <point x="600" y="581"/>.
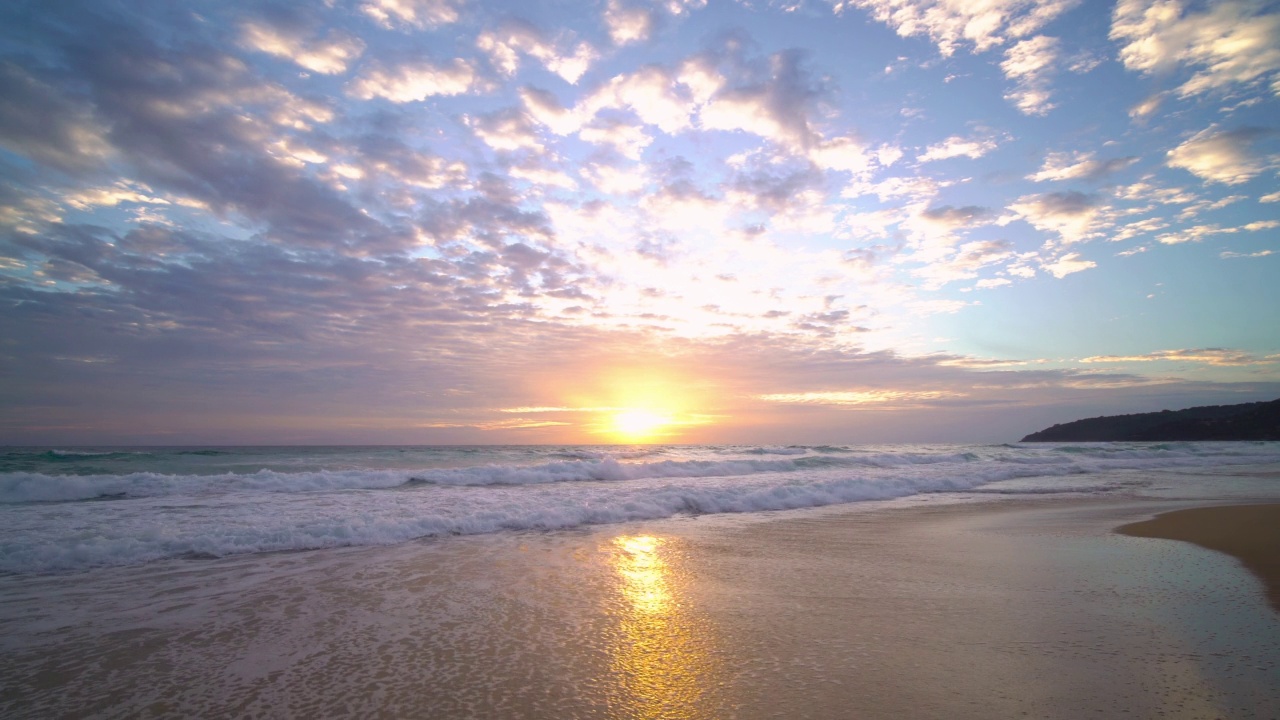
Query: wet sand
<point x="1007" y="609"/>
<point x="1249" y="533"/>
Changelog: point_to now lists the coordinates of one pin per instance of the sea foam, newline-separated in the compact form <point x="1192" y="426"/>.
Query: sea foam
<point x="54" y="522"/>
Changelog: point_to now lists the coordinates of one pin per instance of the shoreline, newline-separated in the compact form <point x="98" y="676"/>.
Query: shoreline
<point x="1250" y="533"/>
<point x="939" y="610"/>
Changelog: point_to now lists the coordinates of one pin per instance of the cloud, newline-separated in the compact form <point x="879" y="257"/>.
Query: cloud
<point x="625" y="138"/>
<point x="1220" y="357"/>
<point x="1147" y="106"/>
<point x="39" y="122"/>
<point x="199" y="127"/>
<point x="1073" y="215"/>
<point x="775" y="109"/>
<point x="951" y="24"/>
<point x="956" y="216"/>
<point x="1227" y="254"/>
<point x="654" y="94"/>
<point x="614" y="181"/>
<point x="121" y="191"/>
<point x="420" y="14"/>
<point x="1079" y="166"/>
<point x="23" y="213"/>
<point x="628" y="24"/>
<point x="1146" y="191"/>
<point x="514" y="38"/>
<point x="331" y="264"/>
<point x="957" y="146"/>
<point x="388" y="161"/>
<point x="861" y="397"/>
<point x="1134" y="229"/>
<point x="992" y="283"/>
<point x="847" y="154"/>
<point x="413" y="81"/>
<point x="1229" y="43"/>
<point x="1029" y="64"/>
<point x="968" y="259"/>
<point x="1200" y="232"/>
<point x="508" y="130"/>
<point x="1067" y="264"/>
<point x="330" y="55"/>
<point x="1225" y="156"/>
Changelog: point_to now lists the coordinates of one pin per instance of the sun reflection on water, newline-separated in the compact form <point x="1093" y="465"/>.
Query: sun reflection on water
<point x="661" y="657"/>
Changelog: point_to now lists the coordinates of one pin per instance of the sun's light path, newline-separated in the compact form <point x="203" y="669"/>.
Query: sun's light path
<point x="664" y="658"/>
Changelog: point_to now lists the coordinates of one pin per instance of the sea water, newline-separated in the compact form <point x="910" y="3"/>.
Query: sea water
<point x="71" y="509"/>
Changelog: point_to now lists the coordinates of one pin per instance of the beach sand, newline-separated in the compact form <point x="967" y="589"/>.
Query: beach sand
<point x="1027" y="608"/>
<point x="1249" y="533"/>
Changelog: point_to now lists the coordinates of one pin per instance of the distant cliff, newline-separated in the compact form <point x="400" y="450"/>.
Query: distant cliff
<point x="1249" y="421"/>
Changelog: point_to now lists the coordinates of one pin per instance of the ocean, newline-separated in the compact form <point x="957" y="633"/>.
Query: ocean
<point x="73" y="509"/>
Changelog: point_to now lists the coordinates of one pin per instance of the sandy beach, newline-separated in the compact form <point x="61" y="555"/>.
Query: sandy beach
<point x="1026" y="608"/>
<point x="1249" y="533"/>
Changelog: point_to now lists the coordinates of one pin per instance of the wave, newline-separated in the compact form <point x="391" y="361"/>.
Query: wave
<point x="27" y="487"/>
<point x="220" y="527"/>
<point x="102" y="520"/>
<point x="593" y="466"/>
<point x="97" y="454"/>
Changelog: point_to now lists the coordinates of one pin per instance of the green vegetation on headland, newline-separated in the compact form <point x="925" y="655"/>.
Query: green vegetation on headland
<point x="1248" y="421"/>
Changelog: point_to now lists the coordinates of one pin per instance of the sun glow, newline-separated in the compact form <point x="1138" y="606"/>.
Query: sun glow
<point x="639" y="424"/>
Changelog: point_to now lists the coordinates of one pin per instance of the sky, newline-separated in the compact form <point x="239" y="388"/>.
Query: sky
<point x="734" y="221"/>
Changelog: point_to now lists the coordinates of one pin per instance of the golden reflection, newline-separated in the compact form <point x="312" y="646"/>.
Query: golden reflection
<point x="662" y="660"/>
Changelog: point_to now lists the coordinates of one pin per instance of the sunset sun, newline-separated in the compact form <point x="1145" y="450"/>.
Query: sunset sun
<point x="637" y="425"/>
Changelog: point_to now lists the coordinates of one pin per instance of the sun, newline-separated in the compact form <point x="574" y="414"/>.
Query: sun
<point x="637" y="425"/>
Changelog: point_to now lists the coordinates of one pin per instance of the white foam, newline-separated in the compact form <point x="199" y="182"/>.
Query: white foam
<point x="161" y="516"/>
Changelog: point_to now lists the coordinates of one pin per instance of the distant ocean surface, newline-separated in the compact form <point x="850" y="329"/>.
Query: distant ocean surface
<point x="71" y="509"/>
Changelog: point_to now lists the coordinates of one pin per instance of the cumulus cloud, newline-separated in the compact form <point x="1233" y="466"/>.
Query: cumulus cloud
<point x="1224" y="156"/>
<point x="1029" y="64"/>
<point x="951" y="24"/>
<point x="1074" y="216"/>
<point x="515" y="38"/>
<point x="653" y="93"/>
<point x="329" y="55"/>
<point x="419" y="14"/>
<point x="413" y="81"/>
<point x="846" y="154"/>
<point x="390" y="259"/>
<point x="1079" y="166"/>
<point x="957" y="146"/>
<point x="628" y="24"/>
<point x="1067" y="264"/>
<point x="776" y="109"/>
<point x="1228" y="43"/>
<point x="625" y="138"/>
<point x="508" y="130"/>
<point x="966" y="263"/>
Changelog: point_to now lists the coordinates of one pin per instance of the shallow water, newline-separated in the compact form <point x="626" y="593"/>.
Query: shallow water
<point x="956" y="605"/>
